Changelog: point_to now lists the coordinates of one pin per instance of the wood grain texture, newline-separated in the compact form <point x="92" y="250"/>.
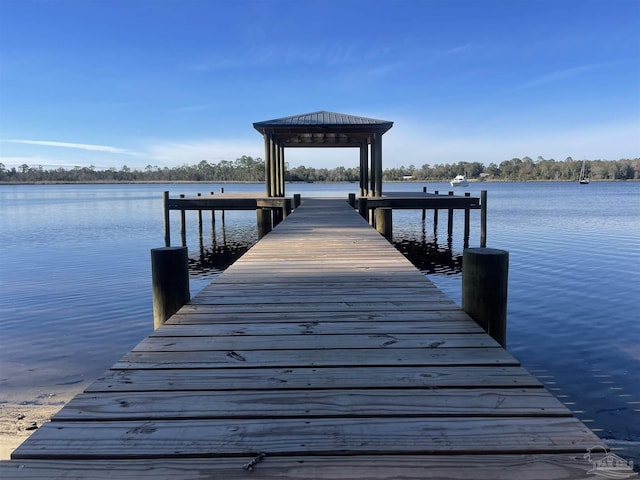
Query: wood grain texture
<point x="321" y="467"/>
<point x="326" y="349"/>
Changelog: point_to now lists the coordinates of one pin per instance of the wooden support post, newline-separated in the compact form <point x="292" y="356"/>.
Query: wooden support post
<point x="384" y="222"/>
<point x="277" y="216"/>
<point x="278" y="173"/>
<point x="364" y="166"/>
<point x="267" y="164"/>
<point x="377" y="162"/>
<point x="362" y="207"/>
<point x="272" y="166"/>
<point x="435" y="216"/>
<point x="352" y="200"/>
<point x="167" y="222"/>
<point x="264" y="221"/>
<point x="296" y="200"/>
<point x="450" y="220"/>
<point x="200" y="221"/>
<point x="183" y="225"/>
<point x="424" y="210"/>
<point x="483" y="218"/>
<point x="485" y="273"/>
<point x="170" y="282"/>
<point x="283" y="172"/>
<point x="213" y="217"/>
<point x="467" y="217"/>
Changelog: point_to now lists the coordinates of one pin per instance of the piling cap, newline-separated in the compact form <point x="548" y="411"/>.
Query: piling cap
<point x="486" y="251"/>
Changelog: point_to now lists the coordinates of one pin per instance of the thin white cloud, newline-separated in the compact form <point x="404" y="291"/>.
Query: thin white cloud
<point x="458" y="49"/>
<point x="80" y="146"/>
<point x="191" y="152"/>
<point x="559" y="75"/>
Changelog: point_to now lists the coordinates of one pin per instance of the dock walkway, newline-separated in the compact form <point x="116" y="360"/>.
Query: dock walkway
<point x="321" y="353"/>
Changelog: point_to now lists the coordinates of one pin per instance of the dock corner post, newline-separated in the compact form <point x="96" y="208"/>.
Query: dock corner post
<point x="169" y="281"/>
<point x="296" y="200"/>
<point x="362" y="207"/>
<point x="384" y="222"/>
<point x="352" y="200"/>
<point x="264" y="221"/>
<point x="483" y="218"/>
<point x="167" y="223"/>
<point x="485" y="273"/>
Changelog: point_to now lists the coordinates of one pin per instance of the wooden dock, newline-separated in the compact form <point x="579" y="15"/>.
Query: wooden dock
<point x="322" y="353"/>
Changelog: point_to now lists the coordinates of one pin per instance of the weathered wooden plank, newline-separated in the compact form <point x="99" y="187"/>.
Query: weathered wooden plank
<point x="318" y="289"/>
<point x="299" y="277"/>
<point x="312" y="436"/>
<point x="319" y="358"/>
<point x="290" y="298"/>
<point x="569" y="466"/>
<point x="205" y="328"/>
<point x="312" y="342"/>
<point x="313" y="404"/>
<point x="318" y="307"/>
<point x="199" y="314"/>
<point x="404" y="376"/>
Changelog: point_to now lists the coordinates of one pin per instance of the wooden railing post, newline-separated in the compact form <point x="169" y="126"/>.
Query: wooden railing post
<point x="183" y="225"/>
<point x="167" y="222"/>
<point x="483" y="218"/>
<point x="169" y="281"/>
<point x="485" y="273"/>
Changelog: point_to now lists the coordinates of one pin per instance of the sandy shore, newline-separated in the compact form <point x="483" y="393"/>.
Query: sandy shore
<point x="24" y="410"/>
<point x="17" y="422"/>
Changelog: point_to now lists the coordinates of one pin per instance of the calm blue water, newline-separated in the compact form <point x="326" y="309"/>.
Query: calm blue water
<point x="75" y="281"/>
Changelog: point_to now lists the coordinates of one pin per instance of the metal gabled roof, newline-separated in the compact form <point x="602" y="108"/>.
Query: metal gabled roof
<point x="322" y="129"/>
<point x="323" y="118"/>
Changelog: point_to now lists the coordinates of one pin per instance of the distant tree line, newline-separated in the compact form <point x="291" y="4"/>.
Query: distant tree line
<point x="248" y="169"/>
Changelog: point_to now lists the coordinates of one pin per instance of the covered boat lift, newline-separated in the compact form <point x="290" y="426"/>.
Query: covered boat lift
<point x="324" y="129"/>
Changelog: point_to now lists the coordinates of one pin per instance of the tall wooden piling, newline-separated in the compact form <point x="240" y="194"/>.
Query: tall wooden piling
<point x="169" y="281"/>
<point x="167" y="222"/>
<point x="485" y="273"/>
<point x="263" y="216"/>
<point x="450" y="220"/>
<point x="384" y="222"/>
<point x="467" y="219"/>
<point x="183" y="225"/>
<point x="199" y="221"/>
<point x="362" y="207"/>
<point x="483" y="218"/>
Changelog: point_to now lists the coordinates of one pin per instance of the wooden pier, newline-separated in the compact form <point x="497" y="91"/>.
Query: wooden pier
<point x="322" y="353"/>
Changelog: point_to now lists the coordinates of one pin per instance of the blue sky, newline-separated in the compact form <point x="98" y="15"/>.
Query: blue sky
<point x="164" y="83"/>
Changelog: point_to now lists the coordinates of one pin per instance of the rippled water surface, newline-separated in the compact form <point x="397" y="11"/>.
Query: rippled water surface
<point x="76" y="295"/>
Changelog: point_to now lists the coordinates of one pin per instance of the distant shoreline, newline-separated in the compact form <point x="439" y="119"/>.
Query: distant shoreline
<point x="231" y="182"/>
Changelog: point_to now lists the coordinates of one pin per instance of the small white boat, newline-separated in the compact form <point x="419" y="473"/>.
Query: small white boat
<point x="459" y="181"/>
<point x="584" y="177"/>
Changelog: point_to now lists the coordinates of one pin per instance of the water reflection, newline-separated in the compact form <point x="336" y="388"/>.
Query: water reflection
<point x="212" y="260"/>
<point x="429" y="256"/>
